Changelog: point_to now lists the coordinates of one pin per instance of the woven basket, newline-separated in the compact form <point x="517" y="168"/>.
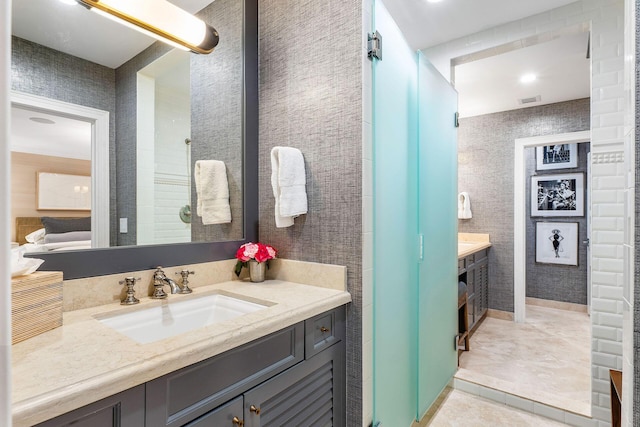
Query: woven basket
<point x="36" y="304"/>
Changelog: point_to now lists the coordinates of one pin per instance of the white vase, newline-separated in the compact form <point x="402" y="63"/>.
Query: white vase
<point x="256" y="270"/>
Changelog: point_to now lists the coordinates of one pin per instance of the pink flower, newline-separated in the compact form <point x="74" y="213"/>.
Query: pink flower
<point x="262" y="255"/>
<point x="272" y="252"/>
<point x="258" y="251"/>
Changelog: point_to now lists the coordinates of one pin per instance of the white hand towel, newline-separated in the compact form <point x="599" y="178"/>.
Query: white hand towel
<point x="288" y="181"/>
<point x="464" y="206"/>
<point x="212" y="190"/>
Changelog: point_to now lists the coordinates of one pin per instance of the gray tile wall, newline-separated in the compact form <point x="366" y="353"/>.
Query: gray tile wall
<point x="556" y="282"/>
<point x="311" y="99"/>
<point x="217" y="112"/>
<point x="485" y="162"/>
<point x="41" y="71"/>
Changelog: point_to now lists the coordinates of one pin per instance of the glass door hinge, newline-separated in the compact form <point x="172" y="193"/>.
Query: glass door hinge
<point x="375" y="46"/>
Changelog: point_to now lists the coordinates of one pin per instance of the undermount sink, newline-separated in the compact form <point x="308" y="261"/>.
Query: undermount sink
<point x="174" y="318"/>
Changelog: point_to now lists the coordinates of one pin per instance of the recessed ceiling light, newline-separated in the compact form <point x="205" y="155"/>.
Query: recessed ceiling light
<point x="434" y="1"/>
<point x="528" y="78"/>
<point x="42" y="120"/>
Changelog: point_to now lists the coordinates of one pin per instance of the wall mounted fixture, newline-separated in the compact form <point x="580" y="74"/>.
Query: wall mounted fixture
<point x="161" y="20"/>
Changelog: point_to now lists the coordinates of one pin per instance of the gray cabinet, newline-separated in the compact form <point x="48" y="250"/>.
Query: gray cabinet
<point x="474" y="271"/>
<point x="309" y="394"/>
<point x="124" y="409"/>
<point x="228" y="414"/>
<point x="295" y="376"/>
<point x="181" y="396"/>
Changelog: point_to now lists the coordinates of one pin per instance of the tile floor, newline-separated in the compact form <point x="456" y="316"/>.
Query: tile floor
<point x="461" y="409"/>
<point x="546" y="359"/>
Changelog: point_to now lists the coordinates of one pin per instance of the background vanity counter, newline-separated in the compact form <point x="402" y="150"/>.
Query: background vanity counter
<point x="473" y="270"/>
<point x="84" y="360"/>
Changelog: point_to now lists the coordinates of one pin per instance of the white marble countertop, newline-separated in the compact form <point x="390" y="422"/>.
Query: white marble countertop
<point x="84" y="361"/>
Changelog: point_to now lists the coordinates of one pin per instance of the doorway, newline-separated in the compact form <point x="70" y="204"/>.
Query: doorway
<point x="99" y="122"/>
<point x="520" y="214"/>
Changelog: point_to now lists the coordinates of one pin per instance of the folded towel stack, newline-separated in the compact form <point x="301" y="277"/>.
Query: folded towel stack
<point x="212" y="190"/>
<point x="288" y="181"/>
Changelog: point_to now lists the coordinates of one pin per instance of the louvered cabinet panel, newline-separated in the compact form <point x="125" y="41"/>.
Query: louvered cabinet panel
<point x="309" y="394"/>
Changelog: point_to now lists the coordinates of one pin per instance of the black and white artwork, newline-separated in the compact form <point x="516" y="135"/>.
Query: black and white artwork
<point x="559" y="156"/>
<point x="557" y="195"/>
<point x="557" y="243"/>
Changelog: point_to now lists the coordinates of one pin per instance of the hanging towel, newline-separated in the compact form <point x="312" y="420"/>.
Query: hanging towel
<point x="288" y="181"/>
<point x="212" y="190"/>
<point x="464" y="206"/>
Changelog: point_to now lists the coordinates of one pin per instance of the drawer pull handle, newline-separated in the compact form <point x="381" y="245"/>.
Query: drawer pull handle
<point x="323" y="329"/>
<point x="254" y="409"/>
<point x="237" y="422"/>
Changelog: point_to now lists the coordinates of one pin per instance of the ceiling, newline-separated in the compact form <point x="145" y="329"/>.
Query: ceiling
<point x="493" y="84"/>
<point x="485" y="86"/>
<point x="427" y="24"/>
<point x="58" y="136"/>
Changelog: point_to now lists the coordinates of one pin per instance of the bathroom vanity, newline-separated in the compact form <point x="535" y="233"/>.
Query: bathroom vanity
<point x="295" y="375"/>
<point x="473" y="269"/>
<point x="286" y="359"/>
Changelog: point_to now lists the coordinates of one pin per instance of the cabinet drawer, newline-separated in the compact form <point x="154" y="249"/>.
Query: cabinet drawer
<point x="479" y="256"/>
<point x="222" y="416"/>
<point x="323" y="331"/>
<point x="461" y="265"/>
<point x="186" y="394"/>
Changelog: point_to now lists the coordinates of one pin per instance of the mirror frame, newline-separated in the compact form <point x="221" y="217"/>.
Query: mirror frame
<point x="97" y="262"/>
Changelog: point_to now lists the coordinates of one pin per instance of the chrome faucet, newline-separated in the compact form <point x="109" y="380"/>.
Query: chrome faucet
<point x="159" y="280"/>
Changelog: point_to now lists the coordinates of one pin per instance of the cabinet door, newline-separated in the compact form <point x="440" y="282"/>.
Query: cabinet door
<point x="227" y="415"/>
<point x="124" y="409"/>
<point x="482" y="281"/>
<point x="188" y="393"/>
<point x="309" y="394"/>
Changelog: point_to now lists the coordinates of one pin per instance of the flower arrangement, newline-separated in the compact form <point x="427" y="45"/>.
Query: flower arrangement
<point x="258" y="252"/>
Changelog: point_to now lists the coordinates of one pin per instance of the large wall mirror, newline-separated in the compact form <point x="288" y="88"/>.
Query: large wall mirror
<point x="93" y="98"/>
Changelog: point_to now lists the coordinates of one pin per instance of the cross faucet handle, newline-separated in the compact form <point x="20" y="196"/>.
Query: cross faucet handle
<point x="185" y="281"/>
<point x="130" y="298"/>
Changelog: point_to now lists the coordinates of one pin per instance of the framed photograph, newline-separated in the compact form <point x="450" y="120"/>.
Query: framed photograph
<point x="557" y="243"/>
<point x="57" y="191"/>
<point x="557" y="195"/>
<point x="559" y="156"/>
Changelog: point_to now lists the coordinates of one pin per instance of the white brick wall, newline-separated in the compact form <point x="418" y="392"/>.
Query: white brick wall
<point x="609" y="107"/>
<point x="628" y="249"/>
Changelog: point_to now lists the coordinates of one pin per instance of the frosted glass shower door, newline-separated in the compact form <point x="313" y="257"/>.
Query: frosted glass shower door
<point x="395" y="221"/>
<point x="438" y="223"/>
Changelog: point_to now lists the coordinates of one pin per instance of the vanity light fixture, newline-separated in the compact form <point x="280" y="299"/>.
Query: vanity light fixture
<point x="161" y="20"/>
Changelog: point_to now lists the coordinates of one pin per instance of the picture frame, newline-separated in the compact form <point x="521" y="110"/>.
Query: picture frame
<point x="63" y="192"/>
<point x="557" y="156"/>
<point x="557" y="195"/>
<point x="557" y="243"/>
